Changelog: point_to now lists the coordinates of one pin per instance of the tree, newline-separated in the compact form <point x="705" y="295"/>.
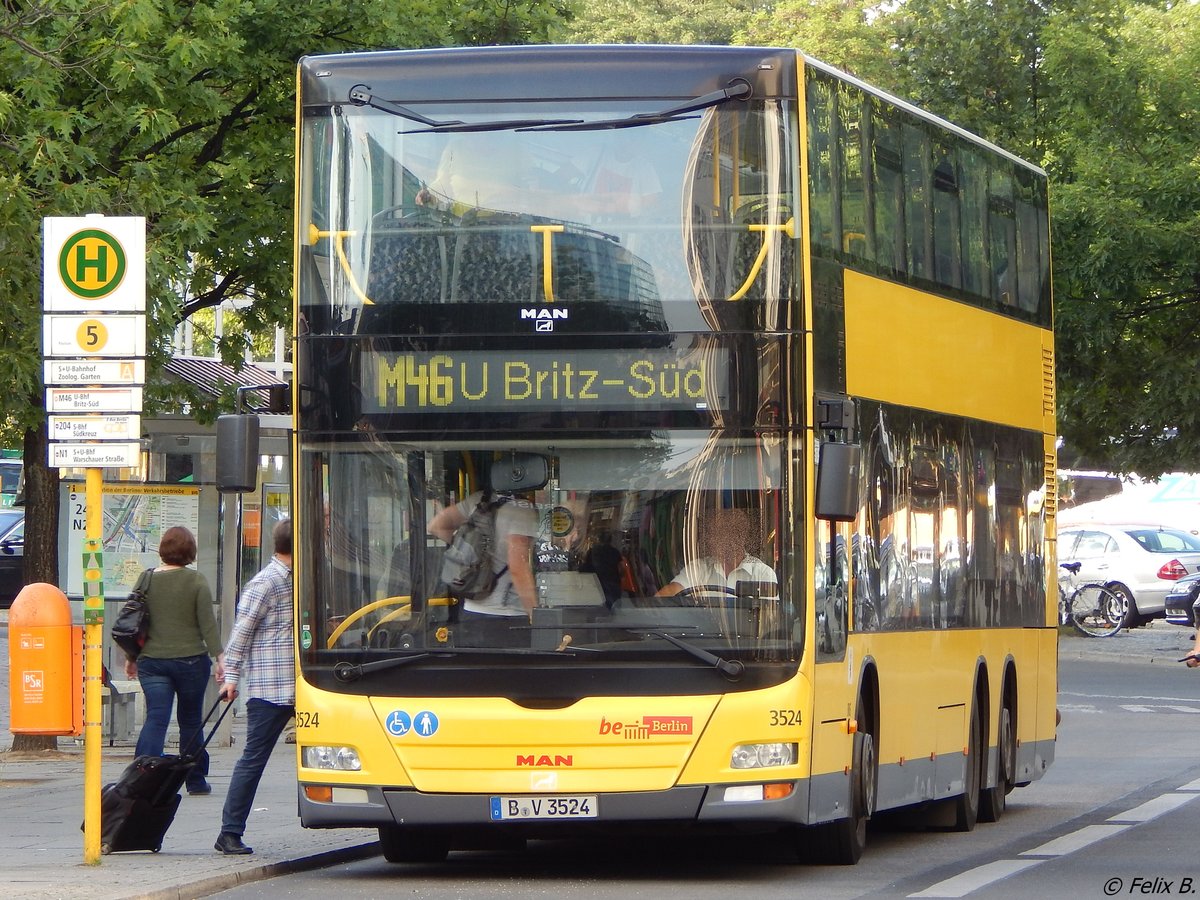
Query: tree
<point x="1125" y="168"/>
<point x="658" y="22"/>
<point x="182" y="113"/>
<point x="977" y="63"/>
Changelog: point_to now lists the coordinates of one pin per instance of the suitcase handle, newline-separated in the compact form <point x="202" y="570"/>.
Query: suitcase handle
<point x="212" y="731"/>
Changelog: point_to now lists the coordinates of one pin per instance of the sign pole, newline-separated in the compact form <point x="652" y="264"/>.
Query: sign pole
<point x="93" y="636"/>
<point x="94" y="348"/>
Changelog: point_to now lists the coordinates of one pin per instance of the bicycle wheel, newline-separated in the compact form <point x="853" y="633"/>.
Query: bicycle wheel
<point x="1096" y="611"/>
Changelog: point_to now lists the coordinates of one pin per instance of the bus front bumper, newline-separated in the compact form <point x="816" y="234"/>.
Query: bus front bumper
<point x="373" y="807"/>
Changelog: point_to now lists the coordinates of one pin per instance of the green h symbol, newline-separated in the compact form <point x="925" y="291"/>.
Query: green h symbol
<point x="106" y="261"/>
<point x="99" y="264"/>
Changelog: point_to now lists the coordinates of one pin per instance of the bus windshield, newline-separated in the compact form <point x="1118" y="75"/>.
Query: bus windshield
<point x="587" y="562"/>
<point x="646" y="228"/>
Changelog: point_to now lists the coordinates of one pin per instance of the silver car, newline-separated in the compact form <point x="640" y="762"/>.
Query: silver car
<point x="1140" y="563"/>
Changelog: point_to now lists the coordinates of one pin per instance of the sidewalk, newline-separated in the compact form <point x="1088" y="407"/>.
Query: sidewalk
<point x="41" y="807"/>
<point x="1158" y="642"/>
<point x="41" y="810"/>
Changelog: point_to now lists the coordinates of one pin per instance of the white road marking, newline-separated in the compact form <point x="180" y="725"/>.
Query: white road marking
<point x="1152" y="808"/>
<point x="980" y="876"/>
<point x="989" y="873"/>
<point x="1127" y="697"/>
<point x="1076" y="840"/>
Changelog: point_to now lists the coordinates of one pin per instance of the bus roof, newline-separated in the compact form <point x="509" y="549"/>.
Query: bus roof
<point x="663" y="71"/>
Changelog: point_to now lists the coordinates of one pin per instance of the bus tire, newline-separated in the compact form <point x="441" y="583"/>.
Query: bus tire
<point x="966" y="805"/>
<point x="842" y="842"/>
<point x="403" y="845"/>
<point x="992" y="800"/>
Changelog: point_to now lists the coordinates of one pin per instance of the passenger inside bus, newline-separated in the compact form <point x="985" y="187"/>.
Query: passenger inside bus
<point x="725" y="537"/>
<point x="604" y="560"/>
<point x="500" y="618"/>
<point x="489" y="621"/>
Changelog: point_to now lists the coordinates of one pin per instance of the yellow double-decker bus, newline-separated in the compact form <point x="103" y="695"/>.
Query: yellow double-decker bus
<point x="741" y="373"/>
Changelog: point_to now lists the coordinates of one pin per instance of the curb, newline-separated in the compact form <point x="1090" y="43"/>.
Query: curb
<point x="206" y="887"/>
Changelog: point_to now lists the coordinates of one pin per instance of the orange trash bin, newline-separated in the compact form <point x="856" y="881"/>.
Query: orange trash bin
<point x="45" y="661"/>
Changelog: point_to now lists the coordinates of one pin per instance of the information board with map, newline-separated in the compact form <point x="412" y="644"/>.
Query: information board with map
<point x="135" y="517"/>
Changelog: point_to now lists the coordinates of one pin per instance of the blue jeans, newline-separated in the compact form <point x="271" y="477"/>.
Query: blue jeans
<point x="164" y="680"/>
<point x="265" y="721"/>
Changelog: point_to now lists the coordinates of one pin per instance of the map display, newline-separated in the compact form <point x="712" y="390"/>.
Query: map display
<point x="135" y="517"/>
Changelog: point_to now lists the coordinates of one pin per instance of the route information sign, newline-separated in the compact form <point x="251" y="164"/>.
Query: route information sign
<point x="105" y="335"/>
<point x="135" y="517"/>
<point x="94" y="338"/>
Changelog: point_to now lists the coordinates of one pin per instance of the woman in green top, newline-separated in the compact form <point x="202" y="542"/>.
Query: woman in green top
<point x="175" y="659"/>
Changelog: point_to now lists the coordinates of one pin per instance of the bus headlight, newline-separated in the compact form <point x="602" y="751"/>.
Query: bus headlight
<point x="343" y="758"/>
<point x="762" y="756"/>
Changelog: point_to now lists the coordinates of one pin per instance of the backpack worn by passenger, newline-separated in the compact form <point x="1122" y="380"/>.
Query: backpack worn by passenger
<point x="467" y="563"/>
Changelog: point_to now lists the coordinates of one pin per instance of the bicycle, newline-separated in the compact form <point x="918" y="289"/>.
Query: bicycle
<point x="1091" y="607"/>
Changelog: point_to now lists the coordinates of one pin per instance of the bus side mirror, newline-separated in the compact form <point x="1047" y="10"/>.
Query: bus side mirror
<point x="237" y="453"/>
<point x="837" y="481"/>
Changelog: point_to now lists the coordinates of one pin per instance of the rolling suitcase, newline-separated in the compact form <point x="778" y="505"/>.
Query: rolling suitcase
<point x="137" y="809"/>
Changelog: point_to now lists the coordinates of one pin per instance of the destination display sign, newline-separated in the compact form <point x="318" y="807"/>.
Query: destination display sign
<point x="84" y="372"/>
<point x="109" y="454"/>
<point x="94" y="400"/>
<point x="491" y="381"/>
<point x="95" y="428"/>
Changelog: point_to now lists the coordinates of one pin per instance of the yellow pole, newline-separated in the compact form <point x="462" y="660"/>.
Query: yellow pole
<point x="93" y="635"/>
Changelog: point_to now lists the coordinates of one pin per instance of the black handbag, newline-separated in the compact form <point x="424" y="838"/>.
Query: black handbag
<point x="133" y="621"/>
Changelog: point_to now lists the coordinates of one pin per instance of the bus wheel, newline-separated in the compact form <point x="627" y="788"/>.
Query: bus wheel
<point x="403" y="845"/>
<point x="992" y="799"/>
<point x="966" y="807"/>
<point x="841" y="843"/>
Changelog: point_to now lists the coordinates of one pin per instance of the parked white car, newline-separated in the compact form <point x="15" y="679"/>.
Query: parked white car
<point x="1140" y="563"/>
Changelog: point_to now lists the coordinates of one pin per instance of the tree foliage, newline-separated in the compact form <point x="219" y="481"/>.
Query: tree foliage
<point x="182" y="113"/>
<point x="657" y="22"/>
<point x="976" y="62"/>
<point x="1125" y="166"/>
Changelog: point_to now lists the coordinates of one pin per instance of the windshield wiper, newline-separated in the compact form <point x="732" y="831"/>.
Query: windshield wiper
<point x="730" y="668"/>
<point x="738" y="89"/>
<point x="360" y="95"/>
<point x="347" y="672"/>
<point x="498" y="125"/>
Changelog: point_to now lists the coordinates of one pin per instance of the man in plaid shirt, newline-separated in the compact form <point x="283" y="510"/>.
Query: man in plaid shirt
<point x="261" y="655"/>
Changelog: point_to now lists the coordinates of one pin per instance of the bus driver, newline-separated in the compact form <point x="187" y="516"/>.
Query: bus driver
<point x="726" y="535"/>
